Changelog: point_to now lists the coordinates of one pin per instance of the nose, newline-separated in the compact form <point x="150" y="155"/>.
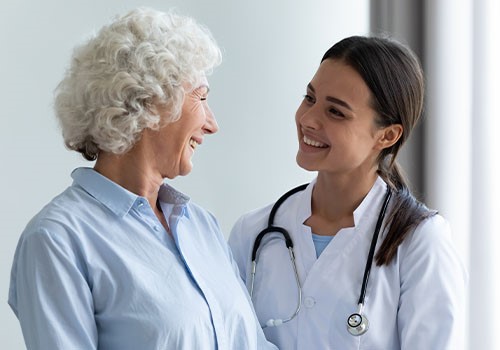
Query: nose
<point x="308" y="117"/>
<point x="211" y="126"/>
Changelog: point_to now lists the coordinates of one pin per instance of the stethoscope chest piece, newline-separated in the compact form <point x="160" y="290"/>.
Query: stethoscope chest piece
<point x="357" y="324"/>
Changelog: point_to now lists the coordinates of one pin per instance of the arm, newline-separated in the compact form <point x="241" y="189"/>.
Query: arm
<point x="49" y="294"/>
<point x="239" y="248"/>
<point x="262" y="343"/>
<point x="252" y="332"/>
<point x="433" y="280"/>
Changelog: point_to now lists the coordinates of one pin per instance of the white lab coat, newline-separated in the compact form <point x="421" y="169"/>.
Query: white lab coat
<point x="417" y="302"/>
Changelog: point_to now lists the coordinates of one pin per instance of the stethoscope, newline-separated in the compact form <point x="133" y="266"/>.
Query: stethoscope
<point x="357" y="323"/>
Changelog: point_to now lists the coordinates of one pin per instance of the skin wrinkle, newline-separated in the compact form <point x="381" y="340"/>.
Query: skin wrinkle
<point x="119" y="70"/>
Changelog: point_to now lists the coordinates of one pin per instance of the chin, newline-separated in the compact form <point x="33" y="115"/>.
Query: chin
<point x="304" y="164"/>
<point x="185" y="170"/>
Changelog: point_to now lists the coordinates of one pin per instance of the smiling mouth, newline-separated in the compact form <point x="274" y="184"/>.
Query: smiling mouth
<point x="193" y="144"/>
<point x="313" y="143"/>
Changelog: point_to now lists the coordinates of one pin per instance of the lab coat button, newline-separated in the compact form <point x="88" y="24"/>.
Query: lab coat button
<point x="309" y="302"/>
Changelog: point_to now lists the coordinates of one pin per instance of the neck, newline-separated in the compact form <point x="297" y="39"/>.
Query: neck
<point x="335" y="198"/>
<point x="130" y="172"/>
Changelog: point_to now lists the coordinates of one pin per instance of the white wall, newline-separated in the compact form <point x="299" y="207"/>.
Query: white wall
<point x="271" y="50"/>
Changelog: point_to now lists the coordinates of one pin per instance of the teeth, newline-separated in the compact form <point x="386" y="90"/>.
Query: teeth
<point x="193" y="143"/>
<point x="313" y="143"/>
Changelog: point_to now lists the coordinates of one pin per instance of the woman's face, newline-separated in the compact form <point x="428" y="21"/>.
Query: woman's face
<point x="335" y="123"/>
<point x="177" y="141"/>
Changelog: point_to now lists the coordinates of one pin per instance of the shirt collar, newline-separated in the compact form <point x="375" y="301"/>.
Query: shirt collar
<point x="170" y="195"/>
<point x="111" y="195"/>
<point x="116" y="198"/>
<point x="367" y="206"/>
<point x="304" y="211"/>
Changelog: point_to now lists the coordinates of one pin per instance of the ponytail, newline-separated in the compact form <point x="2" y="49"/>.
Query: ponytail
<point x="395" y="78"/>
<point x="406" y="213"/>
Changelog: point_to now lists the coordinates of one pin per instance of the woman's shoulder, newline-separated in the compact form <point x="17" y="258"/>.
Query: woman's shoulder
<point x="54" y="231"/>
<point x="199" y="213"/>
<point x="253" y="220"/>
<point x="432" y="246"/>
<point x="67" y="219"/>
<point x="59" y="212"/>
<point x="432" y="230"/>
<point x="256" y="215"/>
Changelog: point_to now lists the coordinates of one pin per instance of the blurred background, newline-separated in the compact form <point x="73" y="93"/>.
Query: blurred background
<point x="271" y="50"/>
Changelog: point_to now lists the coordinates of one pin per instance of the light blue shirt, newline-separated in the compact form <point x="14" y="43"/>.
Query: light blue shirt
<point x="95" y="269"/>
<point x="320" y="243"/>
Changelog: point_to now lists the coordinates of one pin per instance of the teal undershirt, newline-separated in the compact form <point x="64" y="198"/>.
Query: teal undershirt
<point x="320" y="243"/>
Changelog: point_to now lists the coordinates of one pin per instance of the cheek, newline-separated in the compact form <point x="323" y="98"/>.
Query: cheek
<point x="300" y="112"/>
<point x="207" y="110"/>
<point x="197" y="116"/>
<point x="188" y="110"/>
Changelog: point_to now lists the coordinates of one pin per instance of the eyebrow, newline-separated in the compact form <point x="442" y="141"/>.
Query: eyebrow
<point x="332" y="99"/>
<point x="203" y="86"/>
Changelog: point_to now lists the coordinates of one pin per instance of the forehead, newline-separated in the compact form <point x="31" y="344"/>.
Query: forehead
<point x="337" y="79"/>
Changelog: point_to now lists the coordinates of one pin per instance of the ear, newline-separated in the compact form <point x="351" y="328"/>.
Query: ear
<point x="389" y="136"/>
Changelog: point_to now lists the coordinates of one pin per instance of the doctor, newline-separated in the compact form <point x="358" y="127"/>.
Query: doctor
<point x="358" y="110"/>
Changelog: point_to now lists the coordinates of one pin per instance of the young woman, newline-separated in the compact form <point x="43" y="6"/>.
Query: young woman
<point x="324" y="293"/>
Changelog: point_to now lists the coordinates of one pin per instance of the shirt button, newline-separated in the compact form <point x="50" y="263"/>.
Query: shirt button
<point x="309" y="302"/>
<point x="157" y="228"/>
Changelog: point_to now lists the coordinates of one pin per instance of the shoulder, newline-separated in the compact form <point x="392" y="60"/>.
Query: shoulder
<point x="201" y="215"/>
<point x="65" y="223"/>
<point x="197" y="212"/>
<point x="291" y="203"/>
<point x="56" y="216"/>
<point x="242" y="236"/>
<point x="432" y="232"/>
<point x="52" y="234"/>
<point x="206" y="223"/>
<point x="54" y="229"/>
<point x="257" y="217"/>
<point x="247" y="227"/>
<point x="431" y="249"/>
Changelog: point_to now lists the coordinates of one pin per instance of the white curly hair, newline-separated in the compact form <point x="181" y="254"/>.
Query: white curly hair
<point x="109" y="94"/>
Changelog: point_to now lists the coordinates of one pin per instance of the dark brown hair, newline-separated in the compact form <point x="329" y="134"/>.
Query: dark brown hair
<point x="394" y="76"/>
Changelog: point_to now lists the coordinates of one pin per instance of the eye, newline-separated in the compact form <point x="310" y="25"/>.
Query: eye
<point x="309" y="99"/>
<point x="201" y="93"/>
<point x="336" y="113"/>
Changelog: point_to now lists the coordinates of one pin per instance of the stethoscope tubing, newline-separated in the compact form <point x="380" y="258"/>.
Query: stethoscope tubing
<point x="270" y="222"/>
<point x="369" y="260"/>
<point x="354" y="330"/>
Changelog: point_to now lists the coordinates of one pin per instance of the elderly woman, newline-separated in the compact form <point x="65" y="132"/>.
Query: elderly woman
<point x="120" y="260"/>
